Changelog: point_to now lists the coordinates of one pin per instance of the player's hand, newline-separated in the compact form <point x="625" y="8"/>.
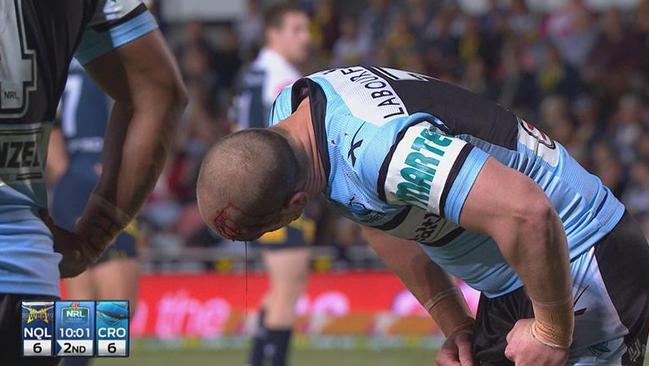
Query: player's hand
<point x="70" y="245"/>
<point x="523" y="349"/>
<point x="456" y="350"/>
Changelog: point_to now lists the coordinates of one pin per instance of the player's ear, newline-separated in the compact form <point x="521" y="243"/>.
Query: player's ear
<point x="297" y="201"/>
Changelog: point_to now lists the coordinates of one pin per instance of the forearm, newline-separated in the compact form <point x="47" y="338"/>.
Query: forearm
<point x="538" y="252"/>
<point x="135" y="151"/>
<point x="432" y="287"/>
<point x="515" y="212"/>
<point x="149" y="95"/>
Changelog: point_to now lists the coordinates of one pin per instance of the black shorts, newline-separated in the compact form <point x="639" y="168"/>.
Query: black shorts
<point x="11" y="347"/>
<point x="611" y="305"/>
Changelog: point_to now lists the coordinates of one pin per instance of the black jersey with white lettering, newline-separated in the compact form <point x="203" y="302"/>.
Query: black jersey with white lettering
<point x="38" y="39"/>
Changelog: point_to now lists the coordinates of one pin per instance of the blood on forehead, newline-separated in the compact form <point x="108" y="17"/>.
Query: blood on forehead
<point x="226" y="226"/>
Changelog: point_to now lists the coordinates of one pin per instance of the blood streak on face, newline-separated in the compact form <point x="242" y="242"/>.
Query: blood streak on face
<point x="224" y="224"/>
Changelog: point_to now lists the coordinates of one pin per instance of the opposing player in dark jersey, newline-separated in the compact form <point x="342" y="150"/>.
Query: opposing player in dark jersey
<point x="447" y="183"/>
<point x="74" y="166"/>
<point x="37" y="42"/>
<point x="285" y="251"/>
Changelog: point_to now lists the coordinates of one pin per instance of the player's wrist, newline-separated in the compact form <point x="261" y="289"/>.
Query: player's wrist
<point x="553" y="323"/>
<point x="100" y="223"/>
<point x="448" y="309"/>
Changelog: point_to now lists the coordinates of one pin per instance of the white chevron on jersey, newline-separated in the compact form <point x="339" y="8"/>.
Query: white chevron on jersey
<point x="367" y="93"/>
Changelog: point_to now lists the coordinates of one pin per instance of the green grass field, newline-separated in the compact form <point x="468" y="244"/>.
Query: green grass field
<point x="332" y="351"/>
<point x="307" y="357"/>
<point x="300" y="357"/>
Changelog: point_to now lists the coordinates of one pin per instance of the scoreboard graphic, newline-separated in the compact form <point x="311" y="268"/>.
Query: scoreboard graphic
<point x="75" y="328"/>
<point x="38" y="327"/>
<point x="112" y="328"/>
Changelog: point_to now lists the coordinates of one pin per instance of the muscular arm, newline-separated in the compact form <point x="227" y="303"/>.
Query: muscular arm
<point x="515" y="212"/>
<point x="57" y="157"/>
<point x="425" y="279"/>
<point x="143" y="79"/>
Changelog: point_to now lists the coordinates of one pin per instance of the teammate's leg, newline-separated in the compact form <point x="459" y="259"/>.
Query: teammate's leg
<point x="118" y="280"/>
<point x="288" y="270"/>
<point x="81" y="287"/>
<point x="114" y="277"/>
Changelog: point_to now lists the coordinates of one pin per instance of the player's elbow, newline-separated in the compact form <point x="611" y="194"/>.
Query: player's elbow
<point x="160" y="90"/>
<point x="174" y="92"/>
<point x="532" y="211"/>
<point x="535" y="231"/>
<point x="539" y="214"/>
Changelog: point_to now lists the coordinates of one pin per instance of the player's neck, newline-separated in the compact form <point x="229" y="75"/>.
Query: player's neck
<point x="299" y="131"/>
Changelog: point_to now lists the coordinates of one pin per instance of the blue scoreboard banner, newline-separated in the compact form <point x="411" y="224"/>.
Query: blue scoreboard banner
<point x="37" y="327"/>
<point x="75" y="328"/>
<point x="112" y="328"/>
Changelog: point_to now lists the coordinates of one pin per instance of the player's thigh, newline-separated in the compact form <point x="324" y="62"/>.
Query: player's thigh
<point x="10" y="331"/>
<point x="287" y="267"/>
<point x="117" y="279"/>
<point x="81" y="287"/>
<point x="116" y="273"/>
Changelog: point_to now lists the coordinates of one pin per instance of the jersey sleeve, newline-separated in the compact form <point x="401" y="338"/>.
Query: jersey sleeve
<point x="114" y="24"/>
<point x="430" y="170"/>
<point x="282" y="107"/>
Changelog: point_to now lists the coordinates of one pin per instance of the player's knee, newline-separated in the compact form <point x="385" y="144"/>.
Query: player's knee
<point x="290" y="289"/>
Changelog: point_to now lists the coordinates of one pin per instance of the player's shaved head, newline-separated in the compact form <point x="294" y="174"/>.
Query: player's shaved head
<point x="244" y="182"/>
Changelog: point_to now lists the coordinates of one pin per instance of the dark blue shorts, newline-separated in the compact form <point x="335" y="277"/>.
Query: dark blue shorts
<point x="69" y="198"/>
<point x="298" y="233"/>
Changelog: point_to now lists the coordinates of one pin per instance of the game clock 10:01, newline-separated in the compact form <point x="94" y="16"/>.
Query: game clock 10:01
<point x="75" y="328"/>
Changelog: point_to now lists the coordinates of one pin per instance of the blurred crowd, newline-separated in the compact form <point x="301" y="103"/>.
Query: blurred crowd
<point x="579" y="74"/>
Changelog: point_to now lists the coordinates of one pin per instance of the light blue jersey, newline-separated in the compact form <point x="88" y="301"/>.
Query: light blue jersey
<point x="402" y="150"/>
<point x="32" y="79"/>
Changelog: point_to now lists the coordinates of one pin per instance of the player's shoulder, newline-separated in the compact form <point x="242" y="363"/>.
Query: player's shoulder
<point x="275" y="66"/>
<point x="418" y="140"/>
<point x="282" y="106"/>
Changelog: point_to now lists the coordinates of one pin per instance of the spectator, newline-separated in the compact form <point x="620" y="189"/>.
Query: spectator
<point x="615" y="57"/>
<point x="399" y="40"/>
<point x="557" y="77"/>
<point x="350" y="48"/>
<point x="518" y="89"/>
<point x="250" y="30"/>
<point x="325" y="27"/>
<point x="636" y="197"/>
<point x="626" y="125"/>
